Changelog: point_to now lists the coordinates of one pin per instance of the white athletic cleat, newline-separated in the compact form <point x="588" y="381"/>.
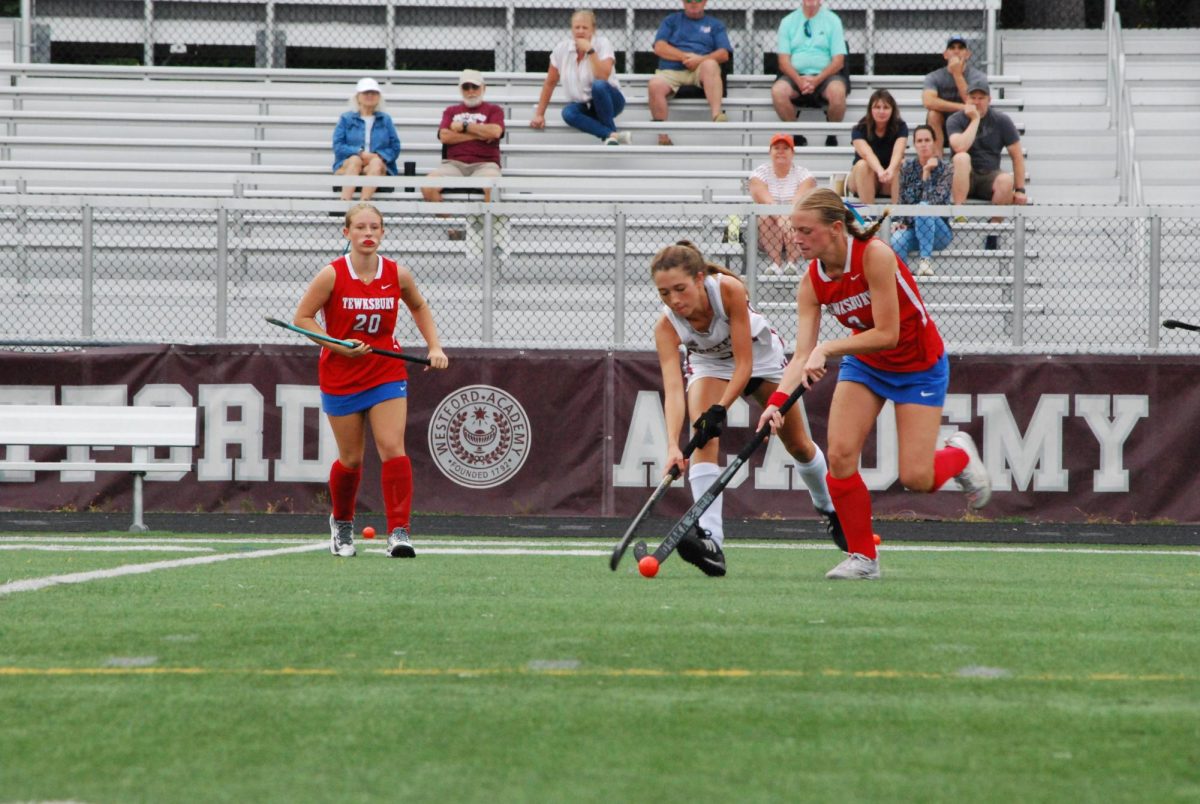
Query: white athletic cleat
<point x="974" y="480"/>
<point x="341" y="537"/>
<point x="924" y="267"/>
<point x="399" y="545"/>
<point x="855" y="567"/>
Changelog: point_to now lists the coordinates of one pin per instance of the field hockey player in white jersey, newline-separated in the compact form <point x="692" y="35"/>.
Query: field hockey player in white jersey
<point x="731" y="351"/>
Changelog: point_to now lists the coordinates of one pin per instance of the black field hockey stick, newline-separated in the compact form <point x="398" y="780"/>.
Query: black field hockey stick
<point x="693" y="514"/>
<point x="381" y="352"/>
<point x="667" y="480"/>
<point x="1171" y="323"/>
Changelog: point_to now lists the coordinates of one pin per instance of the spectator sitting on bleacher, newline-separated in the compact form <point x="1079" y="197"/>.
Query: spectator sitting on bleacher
<point x="585" y="64"/>
<point x="879" y="141"/>
<point x="924" y="179"/>
<point x="365" y="142"/>
<point x="945" y="90"/>
<point x="812" y="52"/>
<point x="780" y="181"/>
<point x="977" y="135"/>
<point x="691" y="47"/>
<point x="470" y="132"/>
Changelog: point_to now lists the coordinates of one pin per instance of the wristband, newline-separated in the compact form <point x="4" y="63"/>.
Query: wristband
<point x="777" y="399"/>
<point x="1020" y="190"/>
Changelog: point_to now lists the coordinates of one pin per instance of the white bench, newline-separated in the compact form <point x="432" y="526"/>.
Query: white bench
<point x="140" y="428"/>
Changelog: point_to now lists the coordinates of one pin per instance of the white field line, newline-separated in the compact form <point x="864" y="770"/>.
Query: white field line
<point x="33" y="584"/>
<point x="107" y="548"/>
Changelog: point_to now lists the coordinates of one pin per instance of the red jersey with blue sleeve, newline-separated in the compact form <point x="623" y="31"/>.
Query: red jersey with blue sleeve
<point x="366" y="311"/>
<point x="848" y="298"/>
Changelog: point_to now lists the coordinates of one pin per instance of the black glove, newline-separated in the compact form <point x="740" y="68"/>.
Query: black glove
<point x="709" y="424"/>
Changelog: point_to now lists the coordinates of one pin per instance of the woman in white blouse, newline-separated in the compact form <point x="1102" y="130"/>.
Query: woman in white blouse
<point x="780" y="181"/>
<point x="585" y="64"/>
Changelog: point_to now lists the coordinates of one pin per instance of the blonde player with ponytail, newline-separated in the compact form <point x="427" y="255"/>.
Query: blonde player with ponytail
<point x="732" y="351"/>
<point x="894" y="352"/>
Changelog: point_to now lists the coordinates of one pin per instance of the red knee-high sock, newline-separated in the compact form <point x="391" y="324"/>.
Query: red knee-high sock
<point x="397" y="491"/>
<point x="852" y="501"/>
<point x="343" y="489"/>
<point x="947" y="462"/>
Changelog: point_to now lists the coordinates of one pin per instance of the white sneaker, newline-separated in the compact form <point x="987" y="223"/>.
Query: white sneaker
<point x="341" y="537"/>
<point x="624" y="137"/>
<point x="775" y="269"/>
<point x="399" y="545"/>
<point x="789" y="267"/>
<point x="974" y="479"/>
<point x="924" y="267"/>
<point x="611" y="139"/>
<point x="856" y="567"/>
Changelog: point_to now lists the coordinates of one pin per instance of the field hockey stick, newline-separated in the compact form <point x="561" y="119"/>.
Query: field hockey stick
<point x="693" y="514"/>
<point x="1171" y="323"/>
<point x="667" y="480"/>
<point x="347" y="344"/>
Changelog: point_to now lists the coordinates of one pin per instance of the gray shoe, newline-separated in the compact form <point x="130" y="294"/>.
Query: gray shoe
<point x="974" y="480"/>
<point x="399" y="545"/>
<point x="856" y="567"/>
<point x="341" y="537"/>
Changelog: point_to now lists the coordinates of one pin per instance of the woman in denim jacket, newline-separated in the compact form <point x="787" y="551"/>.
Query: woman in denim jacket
<point x="365" y="142"/>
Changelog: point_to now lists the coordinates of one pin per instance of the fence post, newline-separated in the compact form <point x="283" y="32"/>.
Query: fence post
<point x="148" y="33"/>
<point x="1155" y="277"/>
<point x="88" y="271"/>
<point x="619" y="269"/>
<point x="222" y="272"/>
<point x="489" y="299"/>
<point x="1018" y="295"/>
<point x="869" y="49"/>
<point x="750" y="240"/>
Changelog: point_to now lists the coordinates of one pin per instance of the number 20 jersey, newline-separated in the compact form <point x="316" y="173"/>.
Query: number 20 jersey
<point x="365" y="311"/>
<point x="848" y="298"/>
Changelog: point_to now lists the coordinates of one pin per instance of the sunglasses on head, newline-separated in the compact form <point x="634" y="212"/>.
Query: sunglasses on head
<point x="469" y="87"/>
<point x="808" y="28"/>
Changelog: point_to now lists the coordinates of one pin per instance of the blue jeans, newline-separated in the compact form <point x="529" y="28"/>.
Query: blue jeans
<point x="925" y="236"/>
<point x="596" y="118"/>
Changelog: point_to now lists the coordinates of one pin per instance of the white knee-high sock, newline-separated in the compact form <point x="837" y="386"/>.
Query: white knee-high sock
<point x="701" y="476"/>
<point x="813" y="474"/>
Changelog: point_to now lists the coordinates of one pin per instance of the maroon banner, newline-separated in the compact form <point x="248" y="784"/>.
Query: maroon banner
<point x="1065" y="438"/>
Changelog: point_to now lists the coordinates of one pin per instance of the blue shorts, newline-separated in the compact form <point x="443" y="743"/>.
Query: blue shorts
<point x="925" y="387"/>
<point x="345" y="404"/>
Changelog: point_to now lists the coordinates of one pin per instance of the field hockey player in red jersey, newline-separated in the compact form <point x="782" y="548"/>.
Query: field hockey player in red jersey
<point x="894" y="352"/>
<point x="359" y="295"/>
<point x="731" y="351"/>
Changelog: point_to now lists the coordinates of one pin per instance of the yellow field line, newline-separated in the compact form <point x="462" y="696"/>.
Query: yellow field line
<point x="600" y="672"/>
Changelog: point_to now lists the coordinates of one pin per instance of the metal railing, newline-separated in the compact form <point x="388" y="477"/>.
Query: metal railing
<point x="1121" y="118"/>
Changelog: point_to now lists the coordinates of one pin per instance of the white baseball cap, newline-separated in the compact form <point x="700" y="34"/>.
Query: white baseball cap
<point x="366" y="85"/>
<point x="470" y="77"/>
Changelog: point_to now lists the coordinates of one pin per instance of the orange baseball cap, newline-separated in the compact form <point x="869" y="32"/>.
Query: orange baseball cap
<point x="783" y="138"/>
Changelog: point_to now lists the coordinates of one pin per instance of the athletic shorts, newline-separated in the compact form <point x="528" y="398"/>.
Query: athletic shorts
<point x="345" y="404"/>
<point x="981" y="184"/>
<point x="926" y="387"/>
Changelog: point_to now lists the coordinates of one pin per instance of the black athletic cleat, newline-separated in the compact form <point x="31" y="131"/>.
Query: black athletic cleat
<point x="700" y="550"/>
<point x="833" y="527"/>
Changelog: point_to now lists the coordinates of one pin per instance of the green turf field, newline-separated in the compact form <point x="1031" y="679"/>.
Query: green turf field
<point x="1005" y="675"/>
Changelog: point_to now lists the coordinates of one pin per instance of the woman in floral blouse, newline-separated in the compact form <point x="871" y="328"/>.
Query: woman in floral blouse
<point x="924" y="179"/>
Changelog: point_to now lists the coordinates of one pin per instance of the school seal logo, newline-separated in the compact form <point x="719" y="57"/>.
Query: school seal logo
<point x="479" y="436"/>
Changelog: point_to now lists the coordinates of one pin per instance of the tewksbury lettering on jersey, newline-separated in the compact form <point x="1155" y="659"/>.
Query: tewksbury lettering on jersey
<point x="361" y="303"/>
<point x="849" y="305"/>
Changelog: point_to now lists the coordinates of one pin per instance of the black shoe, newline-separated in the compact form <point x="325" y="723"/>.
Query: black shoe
<point x="831" y="141"/>
<point x="701" y="551"/>
<point x="991" y="243"/>
<point x="800" y="140"/>
<point x="834" y="528"/>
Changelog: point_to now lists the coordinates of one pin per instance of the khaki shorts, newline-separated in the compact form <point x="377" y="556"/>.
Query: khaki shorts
<point x="452" y="167"/>
<point x="981" y="184"/>
<point x="680" y="78"/>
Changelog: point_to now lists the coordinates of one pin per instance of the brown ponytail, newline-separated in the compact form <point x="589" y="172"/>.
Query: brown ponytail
<point x="684" y="254"/>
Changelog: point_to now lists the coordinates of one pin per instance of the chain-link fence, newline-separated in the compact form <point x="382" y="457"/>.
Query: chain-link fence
<point x="884" y="36"/>
<point x="519" y="276"/>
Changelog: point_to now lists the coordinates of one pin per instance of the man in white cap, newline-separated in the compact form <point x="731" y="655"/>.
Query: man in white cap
<point x="365" y="142"/>
<point x="470" y="133"/>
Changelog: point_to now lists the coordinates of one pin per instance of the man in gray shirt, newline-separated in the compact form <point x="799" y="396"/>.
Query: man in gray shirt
<point x="945" y="90"/>
<point x="977" y="136"/>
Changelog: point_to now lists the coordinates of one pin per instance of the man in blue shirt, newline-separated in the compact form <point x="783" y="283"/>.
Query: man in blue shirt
<point x="691" y="47"/>
<point x="812" y="52"/>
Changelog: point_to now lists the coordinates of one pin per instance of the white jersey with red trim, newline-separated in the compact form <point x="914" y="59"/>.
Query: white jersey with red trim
<point x="710" y="353"/>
